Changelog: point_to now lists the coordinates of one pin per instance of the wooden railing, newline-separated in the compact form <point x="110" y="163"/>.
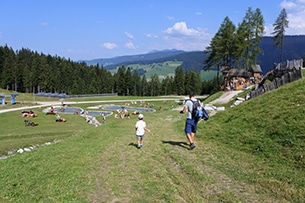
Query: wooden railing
<point x="284" y="73"/>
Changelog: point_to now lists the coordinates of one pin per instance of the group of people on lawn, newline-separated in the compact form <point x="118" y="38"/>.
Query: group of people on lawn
<point x="140" y="126"/>
<point x="28" y="114"/>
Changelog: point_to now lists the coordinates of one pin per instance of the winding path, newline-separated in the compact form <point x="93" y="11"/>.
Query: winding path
<point x="225" y="97"/>
<point x="45" y="104"/>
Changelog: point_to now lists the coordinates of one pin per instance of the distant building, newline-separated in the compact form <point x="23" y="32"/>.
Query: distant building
<point x="237" y="79"/>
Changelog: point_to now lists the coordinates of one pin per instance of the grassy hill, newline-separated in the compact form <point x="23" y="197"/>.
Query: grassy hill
<point x="250" y="153"/>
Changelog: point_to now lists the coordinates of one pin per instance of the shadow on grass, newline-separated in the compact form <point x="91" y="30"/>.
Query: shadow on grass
<point x="133" y="144"/>
<point x="180" y="144"/>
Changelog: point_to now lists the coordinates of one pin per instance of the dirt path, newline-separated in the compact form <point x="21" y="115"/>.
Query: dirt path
<point x="164" y="170"/>
<point x="226" y="97"/>
<point x="223" y="99"/>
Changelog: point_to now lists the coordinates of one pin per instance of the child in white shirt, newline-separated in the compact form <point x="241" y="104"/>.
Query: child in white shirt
<point x="140" y="130"/>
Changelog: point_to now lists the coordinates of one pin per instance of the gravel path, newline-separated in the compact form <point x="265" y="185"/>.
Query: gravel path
<point x="54" y="103"/>
<point x="226" y="97"/>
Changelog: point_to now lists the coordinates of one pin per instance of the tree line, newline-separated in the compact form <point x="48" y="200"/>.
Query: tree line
<point x="32" y="72"/>
<point x="238" y="46"/>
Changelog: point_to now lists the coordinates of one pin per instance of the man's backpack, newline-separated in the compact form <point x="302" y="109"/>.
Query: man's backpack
<point x="198" y="111"/>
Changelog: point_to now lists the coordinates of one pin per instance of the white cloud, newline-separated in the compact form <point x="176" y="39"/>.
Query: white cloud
<point x="288" y="5"/>
<point x="295" y="14"/>
<point x="268" y="30"/>
<point x="181" y="28"/>
<point x="152" y="36"/>
<point x="198" y="13"/>
<point x="171" y="17"/>
<point x="130" y="36"/>
<point x="179" y="36"/>
<point x="109" y="45"/>
<point x="130" y="45"/>
<point x="296" y="21"/>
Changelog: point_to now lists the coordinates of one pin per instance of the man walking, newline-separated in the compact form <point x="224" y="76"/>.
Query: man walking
<point x="190" y="123"/>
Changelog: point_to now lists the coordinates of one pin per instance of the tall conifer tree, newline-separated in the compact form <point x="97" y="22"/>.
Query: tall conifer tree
<point x="280" y="26"/>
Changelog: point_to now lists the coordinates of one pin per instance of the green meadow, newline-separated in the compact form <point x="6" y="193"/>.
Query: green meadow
<point x="253" y="152"/>
<point x="167" y="68"/>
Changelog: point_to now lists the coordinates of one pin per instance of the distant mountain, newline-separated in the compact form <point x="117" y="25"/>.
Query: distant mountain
<point x="294" y="48"/>
<point x="121" y="60"/>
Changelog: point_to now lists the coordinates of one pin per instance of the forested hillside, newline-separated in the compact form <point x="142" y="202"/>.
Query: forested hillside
<point x="158" y="73"/>
<point x="31" y="72"/>
<point x="152" y="57"/>
<point x="294" y="48"/>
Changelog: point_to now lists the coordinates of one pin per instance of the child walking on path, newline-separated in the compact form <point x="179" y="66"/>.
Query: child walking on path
<point x="140" y="130"/>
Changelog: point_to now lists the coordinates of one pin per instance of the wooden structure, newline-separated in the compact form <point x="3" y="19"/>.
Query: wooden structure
<point x="281" y="74"/>
<point x="237" y="79"/>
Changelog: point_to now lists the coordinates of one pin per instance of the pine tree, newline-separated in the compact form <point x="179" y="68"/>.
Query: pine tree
<point x="136" y="80"/>
<point x="279" y="27"/>
<point x="258" y="29"/>
<point x="144" y="86"/>
<point x="249" y="36"/>
<point x="179" y="81"/>
<point x="240" y="45"/>
<point x="221" y="47"/>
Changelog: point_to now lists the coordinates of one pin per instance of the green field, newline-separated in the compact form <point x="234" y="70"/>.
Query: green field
<point x="250" y="153"/>
<point x="166" y="69"/>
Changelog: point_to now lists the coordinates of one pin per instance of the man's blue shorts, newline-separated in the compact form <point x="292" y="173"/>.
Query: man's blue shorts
<point x="190" y="126"/>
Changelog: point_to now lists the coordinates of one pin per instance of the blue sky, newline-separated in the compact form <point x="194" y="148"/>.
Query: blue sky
<point x="84" y="30"/>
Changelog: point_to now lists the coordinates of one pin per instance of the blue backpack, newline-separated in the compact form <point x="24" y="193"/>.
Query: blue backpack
<point x="198" y="111"/>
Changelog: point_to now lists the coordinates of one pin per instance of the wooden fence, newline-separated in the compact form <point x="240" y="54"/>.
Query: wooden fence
<point x="289" y="75"/>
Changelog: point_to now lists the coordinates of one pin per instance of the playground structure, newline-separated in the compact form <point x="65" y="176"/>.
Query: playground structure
<point x="2" y="98"/>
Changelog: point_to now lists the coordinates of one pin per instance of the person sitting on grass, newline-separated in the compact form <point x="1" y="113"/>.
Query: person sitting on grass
<point x="92" y="120"/>
<point x="29" y="123"/>
<point x="32" y="115"/>
<point x="135" y="113"/>
<point x="28" y="114"/>
<point x="24" y="114"/>
<point x="95" y="122"/>
<point x="51" y="111"/>
<point x="104" y="118"/>
<point x="59" y="119"/>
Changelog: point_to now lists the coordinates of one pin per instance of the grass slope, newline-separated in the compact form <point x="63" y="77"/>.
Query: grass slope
<point x="249" y="153"/>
